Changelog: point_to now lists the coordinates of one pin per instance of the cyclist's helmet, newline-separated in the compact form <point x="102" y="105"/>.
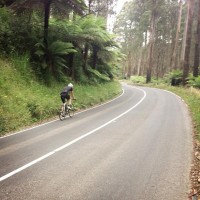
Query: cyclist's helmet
<point x="70" y="85"/>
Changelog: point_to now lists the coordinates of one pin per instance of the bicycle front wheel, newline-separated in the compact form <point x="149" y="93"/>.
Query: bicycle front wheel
<point x="61" y="116"/>
<point x="71" y="111"/>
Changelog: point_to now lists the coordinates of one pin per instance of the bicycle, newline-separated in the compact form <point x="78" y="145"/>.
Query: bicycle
<point x="66" y="110"/>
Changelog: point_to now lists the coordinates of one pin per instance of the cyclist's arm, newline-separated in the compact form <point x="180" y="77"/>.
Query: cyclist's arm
<point x="72" y="95"/>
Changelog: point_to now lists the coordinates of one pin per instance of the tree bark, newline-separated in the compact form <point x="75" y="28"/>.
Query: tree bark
<point x="184" y="42"/>
<point x="129" y="65"/>
<point x="139" y="63"/>
<point x="151" y="45"/>
<point x="47" y="4"/>
<point x="174" y="55"/>
<point x="190" y="11"/>
<point x="95" y="51"/>
<point x="85" y="57"/>
<point x="197" y="46"/>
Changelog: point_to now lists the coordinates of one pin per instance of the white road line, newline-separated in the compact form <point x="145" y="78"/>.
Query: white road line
<point x="72" y="142"/>
<point x="58" y="119"/>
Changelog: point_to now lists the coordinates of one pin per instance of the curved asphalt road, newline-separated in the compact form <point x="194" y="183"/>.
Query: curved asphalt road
<point x="136" y="147"/>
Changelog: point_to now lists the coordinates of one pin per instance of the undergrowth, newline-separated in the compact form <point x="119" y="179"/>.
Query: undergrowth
<point x="24" y="100"/>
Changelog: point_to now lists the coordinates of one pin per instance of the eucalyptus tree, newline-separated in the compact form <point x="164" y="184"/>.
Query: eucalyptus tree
<point x="162" y="36"/>
<point x="165" y="38"/>
<point x="175" y="53"/>
<point x="189" y="20"/>
<point x="131" y="26"/>
<point x="147" y="32"/>
<point x="197" y="43"/>
<point x="102" y="8"/>
<point x="152" y="30"/>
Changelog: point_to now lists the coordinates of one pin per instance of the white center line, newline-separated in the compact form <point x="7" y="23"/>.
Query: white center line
<point x="72" y="142"/>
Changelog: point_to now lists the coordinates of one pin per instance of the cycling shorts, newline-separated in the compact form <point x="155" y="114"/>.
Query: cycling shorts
<point x="64" y="96"/>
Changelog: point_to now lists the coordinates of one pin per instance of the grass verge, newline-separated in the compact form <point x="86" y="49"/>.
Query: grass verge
<point x="25" y="101"/>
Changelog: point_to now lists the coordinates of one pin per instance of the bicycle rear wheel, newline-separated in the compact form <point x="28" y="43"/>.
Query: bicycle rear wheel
<point x="62" y="114"/>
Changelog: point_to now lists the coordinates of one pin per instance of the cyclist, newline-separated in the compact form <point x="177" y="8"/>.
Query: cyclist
<point x="67" y="93"/>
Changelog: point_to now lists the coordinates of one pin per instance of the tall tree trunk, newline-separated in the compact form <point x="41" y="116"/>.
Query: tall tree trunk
<point x="89" y="6"/>
<point x="143" y="62"/>
<point x="151" y="44"/>
<point x="129" y="65"/>
<point x="47" y="4"/>
<point x="197" y="46"/>
<point x="95" y="51"/>
<point x="174" y="55"/>
<point x="157" y="66"/>
<point x="190" y="11"/>
<point x="71" y="66"/>
<point x="139" y="63"/>
<point x="85" y="57"/>
<point x="184" y="42"/>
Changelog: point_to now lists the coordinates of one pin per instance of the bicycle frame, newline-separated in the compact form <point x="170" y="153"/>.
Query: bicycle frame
<point x="65" y="111"/>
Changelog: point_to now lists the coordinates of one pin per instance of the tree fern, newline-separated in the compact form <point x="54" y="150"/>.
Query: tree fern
<point x="51" y="57"/>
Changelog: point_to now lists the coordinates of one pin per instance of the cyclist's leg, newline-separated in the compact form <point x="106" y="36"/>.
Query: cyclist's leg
<point x="68" y="100"/>
<point x="63" y="97"/>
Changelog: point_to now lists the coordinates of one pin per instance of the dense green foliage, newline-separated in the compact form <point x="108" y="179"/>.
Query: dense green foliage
<point x="138" y="79"/>
<point x="66" y="46"/>
<point x="178" y="75"/>
<point x="43" y="46"/>
<point x="25" y="100"/>
<point x="194" y="81"/>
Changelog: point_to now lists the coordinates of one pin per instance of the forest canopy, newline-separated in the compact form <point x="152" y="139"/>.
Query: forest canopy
<point x="70" y="38"/>
<point x="160" y="37"/>
<point x="62" y="38"/>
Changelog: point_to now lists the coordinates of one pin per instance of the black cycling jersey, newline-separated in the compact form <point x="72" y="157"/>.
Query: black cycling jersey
<point x="65" y="93"/>
<point x="66" y="89"/>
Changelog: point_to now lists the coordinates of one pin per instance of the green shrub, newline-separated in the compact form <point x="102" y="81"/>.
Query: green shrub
<point x="5" y="32"/>
<point x="176" y="74"/>
<point x="106" y="70"/>
<point x="138" y="79"/>
<point x="96" y="76"/>
<point x="194" y="81"/>
<point x="176" y="77"/>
